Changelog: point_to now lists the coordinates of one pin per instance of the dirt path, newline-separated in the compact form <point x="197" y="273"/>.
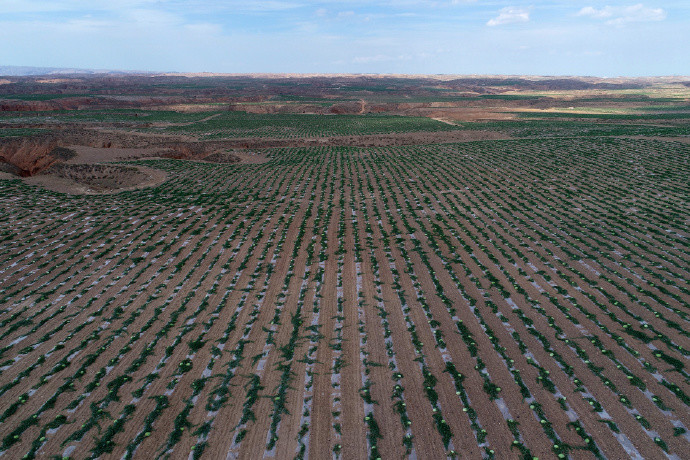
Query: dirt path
<point x="188" y="123"/>
<point x="446" y="121"/>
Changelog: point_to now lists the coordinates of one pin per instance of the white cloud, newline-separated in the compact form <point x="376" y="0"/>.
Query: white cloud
<point x="509" y="15"/>
<point x="592" y="12"/>
<point x="619" y="15"/>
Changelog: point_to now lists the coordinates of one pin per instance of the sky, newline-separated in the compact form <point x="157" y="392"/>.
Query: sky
<point x="547" y="37"/>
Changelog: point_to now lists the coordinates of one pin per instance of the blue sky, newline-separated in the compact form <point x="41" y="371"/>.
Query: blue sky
<point x="548" y="37"/>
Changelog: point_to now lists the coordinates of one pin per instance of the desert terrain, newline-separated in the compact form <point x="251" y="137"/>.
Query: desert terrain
<point x="344" y="266"/>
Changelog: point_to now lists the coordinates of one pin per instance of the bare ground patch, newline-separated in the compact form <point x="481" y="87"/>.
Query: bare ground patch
<point x="455" y="115"/>
<point x="251" y="158"/>
<point x="190" y="108"/>
<point x="369" y="140"/>
<point x="237" y="156"/>
<point x="90" y="155"/>
<point x="95" y="179"/>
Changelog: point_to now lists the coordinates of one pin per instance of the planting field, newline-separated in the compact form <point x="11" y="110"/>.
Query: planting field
<point x="229" y="125"/>
<point x="240" y="124"/>
<point x="492" y="299"/>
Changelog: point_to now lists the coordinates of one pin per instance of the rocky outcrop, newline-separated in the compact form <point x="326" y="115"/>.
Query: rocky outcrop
<point x="347" y="108"/>
<point x="29" y="155"/>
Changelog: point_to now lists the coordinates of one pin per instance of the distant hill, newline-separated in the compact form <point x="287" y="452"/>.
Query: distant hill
<point x="22" y="71"/>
